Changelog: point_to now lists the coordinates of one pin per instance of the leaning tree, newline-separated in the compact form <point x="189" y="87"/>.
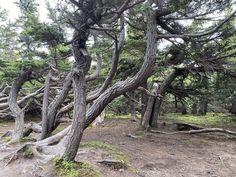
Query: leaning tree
<point x="106" y="19"/>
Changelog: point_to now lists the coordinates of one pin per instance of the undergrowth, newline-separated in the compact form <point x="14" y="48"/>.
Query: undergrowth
<point x="74" y="169"/>
<point x="121" y="116"/>
<point x="211" y="119"/>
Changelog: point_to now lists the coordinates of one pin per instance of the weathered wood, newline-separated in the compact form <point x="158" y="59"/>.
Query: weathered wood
<point x="32" y="127"/>
<point x="162" y="91"/>
<point x="204" y="130"/>
<point x="81" y="67"/>
<point x="149" y="109"/>
<point x="130" y="84"/>
<point x="115" y="60"/>
<point x="184" y="126"/>
<point x="22" y="100"/>
<point x="17" y="112"/>
<point x="51" y="115"/>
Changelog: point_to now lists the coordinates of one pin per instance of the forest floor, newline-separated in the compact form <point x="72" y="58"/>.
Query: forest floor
<point x="148" y="154"/>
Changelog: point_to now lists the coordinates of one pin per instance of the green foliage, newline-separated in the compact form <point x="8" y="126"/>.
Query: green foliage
<point x="10" y="70"/>
<point x="27" y="139"/>
<point x="44" y="33"/>
<point x="74" y="169"/>
<point x="7" y="138"/>
<point x="211" y="119"/>
<point x="180" y="4"/>
<point x="119" y="106"/>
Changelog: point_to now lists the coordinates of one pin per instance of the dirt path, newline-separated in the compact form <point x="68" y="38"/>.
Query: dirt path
<point x="152" y="155"/>
<point x="158" y="155"/>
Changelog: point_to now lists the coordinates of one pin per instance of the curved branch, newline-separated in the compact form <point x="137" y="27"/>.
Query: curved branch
<point x="115" y="61"/>
<point x="199" y="34"/>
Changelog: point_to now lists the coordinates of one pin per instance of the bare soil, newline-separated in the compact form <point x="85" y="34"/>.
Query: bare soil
<point x="150" y="155"/>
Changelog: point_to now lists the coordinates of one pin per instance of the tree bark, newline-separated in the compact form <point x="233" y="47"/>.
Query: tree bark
<point x="79" y="116"/>
<point x="108" y="95"/>
<point x="51" y="116"/>
<point x="149" y="109"/>
<point x="202" y="110"/>
<point x="204" y="130"/>
<point x="132" y="106"/>
<point x="122" y="87"/>
<point x="144" y="100"/>
<point x="82" y="65"/>
<point x="233" y="106"/>
<point x="17" y="112"/>
<point x="194" y="109"/>
<point x="161" y="91"/>
<point x="45" y="122"/>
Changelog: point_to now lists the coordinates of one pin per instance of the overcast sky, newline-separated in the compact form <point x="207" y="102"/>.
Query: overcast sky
<point x="13" y="10"/>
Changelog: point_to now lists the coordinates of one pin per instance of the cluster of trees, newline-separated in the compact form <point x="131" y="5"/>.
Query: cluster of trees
<point x="154" y="50"/>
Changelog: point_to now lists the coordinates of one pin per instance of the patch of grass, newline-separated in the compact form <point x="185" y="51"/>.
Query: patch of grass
<point x="7" y="121"/>
<point x="114" y="116"/>
<point x="74" y="169"/>
<point x="58" y="129"/>
<point x="7" y="138"/>
<point x="27" y="139"/>
<point x="122" y="116"/>
<point x="212" y="119"/>
<point x="113" y="151"/>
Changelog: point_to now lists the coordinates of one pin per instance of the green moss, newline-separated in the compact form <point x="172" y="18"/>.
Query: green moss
<point x="113" y="151"/>
<point x="27" y="139"/>
<point x="211" y="119"/>
<point x="60" y="128"/>
<point x="74" y="169"/>
<point x="7" y="138"/>
<point x="113" y="116"/>
<point x="26" y="151"/>
<point x="86" y="169"/>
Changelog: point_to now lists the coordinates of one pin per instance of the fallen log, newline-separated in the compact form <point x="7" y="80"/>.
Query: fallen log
<point x="184" y="126"/>
<point x="32" y="127"/>
<point x="204" y="130"/>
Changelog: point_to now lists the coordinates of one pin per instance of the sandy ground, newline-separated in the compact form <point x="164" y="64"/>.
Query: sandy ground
<point x="150" y="155"/>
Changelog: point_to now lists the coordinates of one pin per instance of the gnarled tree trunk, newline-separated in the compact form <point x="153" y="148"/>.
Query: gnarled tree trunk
<point x="130" y="84"/>
<point x="51" y="116"/>
<point x="162" y="91"/>
<point x="82" y="65"/>
<point x="18" y="112"/>
<point x="79" y="116"/>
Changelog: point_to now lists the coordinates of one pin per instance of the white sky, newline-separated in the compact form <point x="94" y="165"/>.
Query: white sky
<point x="13" y="10"/>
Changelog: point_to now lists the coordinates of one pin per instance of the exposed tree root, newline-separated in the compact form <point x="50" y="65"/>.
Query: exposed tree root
<point x="204" y="130"/>
<point x="53" y="139"/>
<point x="32" y="127"/>
<point x="7" y="134"/>
<point x="26" y="151"/>
<point x="29" y="128"/>
<point x="39" y="149"/>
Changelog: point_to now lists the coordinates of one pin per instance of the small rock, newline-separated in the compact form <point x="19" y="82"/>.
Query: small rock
<point x="116" y="164"/>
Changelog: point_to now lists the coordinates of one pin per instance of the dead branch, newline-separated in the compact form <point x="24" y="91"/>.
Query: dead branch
<point x="22" y="100"/>
<point x="204" y="130"/>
